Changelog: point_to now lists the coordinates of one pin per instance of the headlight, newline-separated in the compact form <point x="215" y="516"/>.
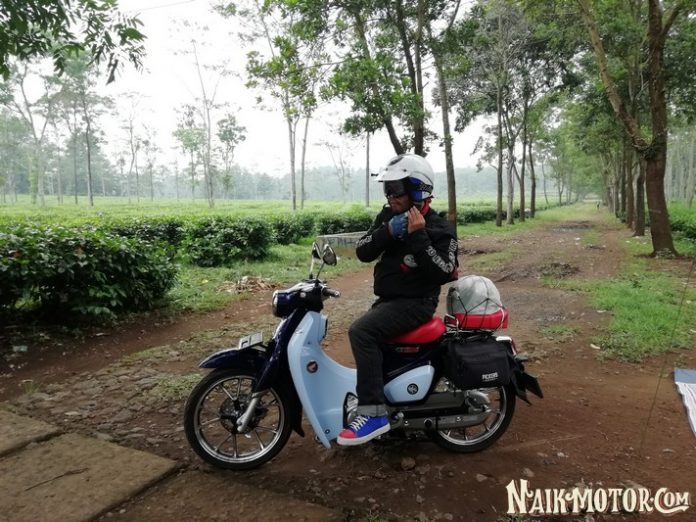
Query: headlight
<point x="283" y="303"/>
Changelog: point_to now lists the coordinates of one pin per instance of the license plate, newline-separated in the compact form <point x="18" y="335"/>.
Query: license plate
<point x="250" y="340"/>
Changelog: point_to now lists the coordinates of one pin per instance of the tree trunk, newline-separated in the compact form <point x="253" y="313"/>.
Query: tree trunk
<point x="302" y="162"/>
<point x="532" y="203"/>
<point x="510" y="189"/>
<point x="291" y="142"/>
<point x="655" y="151"/>
<point x="367" y="170"/>
<point x="499" y="198"/>
<point x="447" y="134"/>
<point x="640" y="200"/>
<point x="414" y="75"/>
<point x="628" y="184"/>
<point x="193" y="178"/>
<point x="90" y="195"/>
<point x="691" y="182"/>
<point x="543" y="184"/>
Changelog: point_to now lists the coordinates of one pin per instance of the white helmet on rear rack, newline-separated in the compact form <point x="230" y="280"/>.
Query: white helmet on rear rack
<point x="416" y="172"/>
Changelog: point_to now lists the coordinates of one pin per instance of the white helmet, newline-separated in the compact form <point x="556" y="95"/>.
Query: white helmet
<point x="414" y="170"/>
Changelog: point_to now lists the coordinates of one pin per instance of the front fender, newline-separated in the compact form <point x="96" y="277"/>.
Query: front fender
<point x="250" y="359"/>
<point x="253" y="360"/>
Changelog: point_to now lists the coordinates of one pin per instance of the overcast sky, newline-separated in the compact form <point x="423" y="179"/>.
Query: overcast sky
<point x="169" y="80"/>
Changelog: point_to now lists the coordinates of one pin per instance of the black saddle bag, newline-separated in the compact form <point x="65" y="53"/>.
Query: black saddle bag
<point x="477" y="363"/>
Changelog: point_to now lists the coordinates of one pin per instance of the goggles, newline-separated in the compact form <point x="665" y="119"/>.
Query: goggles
<point x="395" y="189"/>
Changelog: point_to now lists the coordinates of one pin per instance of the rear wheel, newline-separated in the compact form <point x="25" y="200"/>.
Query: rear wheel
<point x="471" y="439"/>
<point x="210" y="421"/>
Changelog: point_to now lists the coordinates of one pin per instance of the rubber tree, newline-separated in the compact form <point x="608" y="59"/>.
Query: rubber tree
<point x="652" y="148"/>
<point x="284" y="66"/>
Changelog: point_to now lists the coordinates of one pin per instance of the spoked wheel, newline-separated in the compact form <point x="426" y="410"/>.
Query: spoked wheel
<point x="210" y="421"/>
<point x="471" y="439"/>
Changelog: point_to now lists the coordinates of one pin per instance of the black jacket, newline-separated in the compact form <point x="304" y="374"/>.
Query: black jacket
<point x="415" y="267"/>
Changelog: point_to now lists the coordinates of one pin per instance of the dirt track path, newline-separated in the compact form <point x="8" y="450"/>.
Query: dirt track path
<point x="601" y="422"/>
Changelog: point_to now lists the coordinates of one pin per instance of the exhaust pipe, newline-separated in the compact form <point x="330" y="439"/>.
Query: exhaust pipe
<point x="446" y="422"/>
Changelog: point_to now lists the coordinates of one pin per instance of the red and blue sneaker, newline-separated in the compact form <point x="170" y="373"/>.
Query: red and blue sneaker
<point x="363" y="429"/>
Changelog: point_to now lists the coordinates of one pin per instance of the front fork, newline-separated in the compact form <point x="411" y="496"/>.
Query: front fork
<point x="243" y="421"/>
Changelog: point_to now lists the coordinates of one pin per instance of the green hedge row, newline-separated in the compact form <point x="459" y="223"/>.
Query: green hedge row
<point x="97" y="271"/>
<point x="469" y="215"/>
<point x="71" y="273"/>
<point x="222" y="240"/>
<point x="683" y="219"/>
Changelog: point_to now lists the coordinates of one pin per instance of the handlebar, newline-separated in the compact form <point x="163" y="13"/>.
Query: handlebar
<point x="328" y="292"/>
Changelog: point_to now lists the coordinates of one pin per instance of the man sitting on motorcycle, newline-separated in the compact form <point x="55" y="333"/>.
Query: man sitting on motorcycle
<point x="418" y="250"/>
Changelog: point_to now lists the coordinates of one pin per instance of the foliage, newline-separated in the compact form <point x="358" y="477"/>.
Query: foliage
<point x="683" y="219"/>
<point x="647" y="309"/>
<point x="167" y="231"/>
<point x="331" y="223"/>
<point x="61" y="28"/>
<point x="222" y="240"/>
<point x="287" y="229"/>
<point x="205" y="289"/>
<point x="87" y="273"/>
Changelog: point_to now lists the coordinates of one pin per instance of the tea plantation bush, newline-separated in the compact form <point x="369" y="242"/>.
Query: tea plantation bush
<point x="79" y="273"/>
<point x="353" y="221"/>
<point x="289" y="229"/>
<point x="683" y="219"/>
<point x="168" y="231"/>
<point x="223" y="240"/>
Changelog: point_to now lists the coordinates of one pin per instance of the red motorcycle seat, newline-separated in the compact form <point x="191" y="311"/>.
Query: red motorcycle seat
<point x="493" y="321"/>
<point x="425" y="333"/>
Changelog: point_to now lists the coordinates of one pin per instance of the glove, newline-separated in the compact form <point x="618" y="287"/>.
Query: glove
<point x="398" y="226"/>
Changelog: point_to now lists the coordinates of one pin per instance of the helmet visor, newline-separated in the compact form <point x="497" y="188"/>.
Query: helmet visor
<point x="395" y="189"/>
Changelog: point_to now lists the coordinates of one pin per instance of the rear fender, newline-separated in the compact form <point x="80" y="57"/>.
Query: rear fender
<point x="522" y="381"/>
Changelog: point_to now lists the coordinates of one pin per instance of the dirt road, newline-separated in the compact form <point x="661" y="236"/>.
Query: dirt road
<point x="602" y="423"/>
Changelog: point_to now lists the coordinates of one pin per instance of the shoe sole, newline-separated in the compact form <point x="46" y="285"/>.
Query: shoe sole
<point x="362" y="440"/>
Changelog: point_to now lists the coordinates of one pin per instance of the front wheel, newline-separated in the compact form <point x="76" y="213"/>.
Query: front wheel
<point x="211" y="414"/>
<point x="471" y="439"/>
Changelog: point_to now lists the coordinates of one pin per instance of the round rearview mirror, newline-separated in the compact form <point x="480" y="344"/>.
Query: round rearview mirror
<point x="329" y="256"/>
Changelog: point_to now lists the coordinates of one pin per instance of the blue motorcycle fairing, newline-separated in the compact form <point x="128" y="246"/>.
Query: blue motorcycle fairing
<point x="321" y="383"/>
<point x="277" y="359"/>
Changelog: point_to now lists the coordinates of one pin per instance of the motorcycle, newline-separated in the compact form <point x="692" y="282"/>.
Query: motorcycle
<point x="242" y="413"/>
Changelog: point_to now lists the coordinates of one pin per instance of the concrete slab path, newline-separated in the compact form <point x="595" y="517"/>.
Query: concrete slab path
<point x="73" y="478"/>
<point x="17" y="431"/>
<point x="188" y="497"/>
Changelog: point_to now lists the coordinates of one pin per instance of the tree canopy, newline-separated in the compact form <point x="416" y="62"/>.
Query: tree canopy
<point x="62" y="28"/>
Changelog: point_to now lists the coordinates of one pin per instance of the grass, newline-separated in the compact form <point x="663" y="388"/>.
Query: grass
<point x="652" y="311"/>
<point x="175" y="387"/>
<point x="491" y="262"/>
<point x="558" y="331"/>
<point x="206" y="289"/>
<point x="591" y="238"/>
<point x="112" y="206"/>
<point x="577" y="212"/>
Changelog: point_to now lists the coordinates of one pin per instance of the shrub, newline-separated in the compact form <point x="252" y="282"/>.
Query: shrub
<point x="286" y="229"/>
<point x="353" y="221"/>
<point x="683" y="219"/>
<point x="475" y="215"/>
<point x="222" y="240"/>
<point x="167" y="230"/>
<point x="306" y="223"/>
<point x="90" y="273"/>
